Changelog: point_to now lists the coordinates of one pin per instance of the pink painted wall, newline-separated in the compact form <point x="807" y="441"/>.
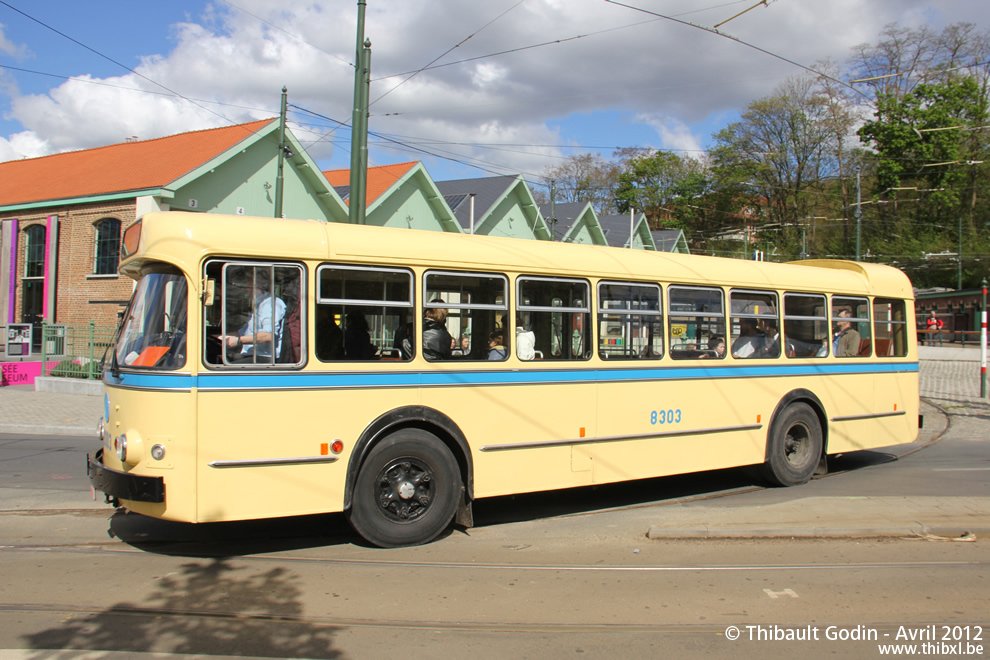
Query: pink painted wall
<point x="21" y="373"/>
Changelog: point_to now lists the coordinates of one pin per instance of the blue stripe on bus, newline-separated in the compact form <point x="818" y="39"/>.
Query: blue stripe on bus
<point x="309" y="380"/>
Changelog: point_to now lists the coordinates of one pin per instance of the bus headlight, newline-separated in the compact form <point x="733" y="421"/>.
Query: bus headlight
<point x="129" y="450"/>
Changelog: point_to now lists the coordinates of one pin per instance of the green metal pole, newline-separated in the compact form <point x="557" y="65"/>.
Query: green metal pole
<point x="959" y="256"/>
<point x="92" y="339"/>
<point x="279" y="177"/>
<point x="365" y="101"/>
<point x="358" y="176"/>
<point x="859" y="215"/>
<point x="44" y="346"/>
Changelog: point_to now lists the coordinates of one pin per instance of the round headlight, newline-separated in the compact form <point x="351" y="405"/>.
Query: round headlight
<point x="120" y="444"/>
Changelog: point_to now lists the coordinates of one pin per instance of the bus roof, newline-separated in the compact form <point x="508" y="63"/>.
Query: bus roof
<point x="186" y="239"/>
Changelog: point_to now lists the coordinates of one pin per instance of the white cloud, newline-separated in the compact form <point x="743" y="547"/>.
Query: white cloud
<point x="26" y="144"/>
<point x="674" y="134"/>
<point x="19" y="52"/>
<point x="599" y="56"/>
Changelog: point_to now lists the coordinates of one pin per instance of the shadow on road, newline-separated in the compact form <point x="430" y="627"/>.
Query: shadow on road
<point x="207" y="607"/>
<point x="252" y="537"/>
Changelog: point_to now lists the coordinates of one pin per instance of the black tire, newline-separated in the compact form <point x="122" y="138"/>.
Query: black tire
<point x="406" y="491"/>
<point x="794" y="446"/>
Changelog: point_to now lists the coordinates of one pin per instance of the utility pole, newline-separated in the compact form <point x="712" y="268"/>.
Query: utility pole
<point x="983" y="342"/>
<point x="359" y="123"/>
<point x="859" y="214"/>
<point x="553" y="212"/>
<point x="279" y="177"/>
<point x="959" y="256"/>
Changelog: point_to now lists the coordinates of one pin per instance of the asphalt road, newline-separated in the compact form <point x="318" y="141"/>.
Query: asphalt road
<point x="567" y="574"/>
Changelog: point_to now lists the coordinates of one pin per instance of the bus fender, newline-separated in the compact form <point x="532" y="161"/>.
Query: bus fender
<point x="430" y="420"/>
<point x="809" y="397"/>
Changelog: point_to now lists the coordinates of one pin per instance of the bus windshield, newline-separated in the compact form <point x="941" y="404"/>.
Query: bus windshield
<point x="154" y="331"/>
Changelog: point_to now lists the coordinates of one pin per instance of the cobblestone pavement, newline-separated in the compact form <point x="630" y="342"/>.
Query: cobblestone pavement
<point x="22" y="410"/>
<point x="951" y="380"/>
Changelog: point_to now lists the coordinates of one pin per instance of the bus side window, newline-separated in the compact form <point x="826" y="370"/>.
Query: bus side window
<point x="851" y="327"/>
<point x="805" y="325"/>
<point x="630" y="321"/>
<point x="890" y="327"/>
<point x="256" y="318"/>
<point x="474" y="307"/>
<point x="557" y="311"/>
<point x="696" y="318"/>
<point x="755" y="329"/>
<point x="363" y="313"/>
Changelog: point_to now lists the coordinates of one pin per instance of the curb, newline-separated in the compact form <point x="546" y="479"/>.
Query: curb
<point x="942" y="530"/>
<point x="34" y="429"/>
<point x="68" y="386"/>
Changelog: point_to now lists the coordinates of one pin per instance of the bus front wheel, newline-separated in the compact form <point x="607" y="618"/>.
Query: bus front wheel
<point x="794" y="446"/>
<point x="406" y="491"/>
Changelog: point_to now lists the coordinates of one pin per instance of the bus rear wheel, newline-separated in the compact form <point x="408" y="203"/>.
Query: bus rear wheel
<point x="406" y="491"/>
<point x="794" y="446"/>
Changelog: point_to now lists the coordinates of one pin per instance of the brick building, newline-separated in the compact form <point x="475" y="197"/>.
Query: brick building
<point x="62" y="216"/>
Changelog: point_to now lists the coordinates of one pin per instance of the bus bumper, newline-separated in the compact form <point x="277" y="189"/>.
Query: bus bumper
<point x="123" y="486"/>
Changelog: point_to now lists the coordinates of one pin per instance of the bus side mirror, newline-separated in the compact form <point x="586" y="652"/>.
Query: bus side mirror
<point x="209" y="289"/>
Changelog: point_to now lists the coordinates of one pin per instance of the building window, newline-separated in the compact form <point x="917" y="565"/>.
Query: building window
<point x="34" y="258"/>
<point x="107" y="253"/>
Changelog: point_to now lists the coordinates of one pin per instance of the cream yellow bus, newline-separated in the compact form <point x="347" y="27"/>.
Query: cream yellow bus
<point x="272" y="368"/>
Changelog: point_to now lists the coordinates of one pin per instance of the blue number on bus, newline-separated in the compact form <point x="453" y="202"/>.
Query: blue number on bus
<point x="669" y="416"/>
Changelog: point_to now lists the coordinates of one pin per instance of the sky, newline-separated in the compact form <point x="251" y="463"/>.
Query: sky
<point x="469" y="88"/>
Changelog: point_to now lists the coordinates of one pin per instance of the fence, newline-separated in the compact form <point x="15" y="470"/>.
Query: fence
<point x="79" y="351"/>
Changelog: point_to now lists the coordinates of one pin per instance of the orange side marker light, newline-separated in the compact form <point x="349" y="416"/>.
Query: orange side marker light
<point x="582" y="432"/>
<point x="324" y="449"/>
<point x="758" y="418"/>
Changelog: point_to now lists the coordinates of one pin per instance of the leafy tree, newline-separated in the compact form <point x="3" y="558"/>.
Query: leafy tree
<point x="582" y="178"/>
<point x="651" y="183"/>
<point x="929" y="145"/>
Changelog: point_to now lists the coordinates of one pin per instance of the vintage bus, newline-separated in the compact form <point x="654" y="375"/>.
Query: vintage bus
<point x="269" y="367"/>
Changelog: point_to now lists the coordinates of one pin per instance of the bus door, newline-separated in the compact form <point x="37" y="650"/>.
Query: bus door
<point x="257" y="453"/>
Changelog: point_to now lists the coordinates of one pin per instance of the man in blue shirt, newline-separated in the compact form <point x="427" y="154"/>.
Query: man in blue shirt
<point x="263" y="328"/>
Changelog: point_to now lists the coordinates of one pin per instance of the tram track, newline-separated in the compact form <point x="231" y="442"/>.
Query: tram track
<point x="498" y="566"/>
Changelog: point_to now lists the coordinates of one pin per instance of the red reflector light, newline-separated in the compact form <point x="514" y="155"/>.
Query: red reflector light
<point x="337" y="446"/>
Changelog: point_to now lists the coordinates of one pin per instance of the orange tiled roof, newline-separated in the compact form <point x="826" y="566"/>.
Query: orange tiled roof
<point x="380" y="179"/>
<point x="116" y="167"/>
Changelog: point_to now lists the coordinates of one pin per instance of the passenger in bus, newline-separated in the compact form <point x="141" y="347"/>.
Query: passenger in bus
<point x="771" y="340"/>
<point x="845" y="342"/>
<point x="464" y="348"/>
<point x="403" y="340"/>
<point x="329" y="337"/>
<point x="525" y="340"/>
<point x="437" y="341"/>
<point x="357" y="340"/>
<point x="749" y="343"/>
<point x="496" y="351"/>
<point x="717" y="344"/>
<point x="255" y="339"/>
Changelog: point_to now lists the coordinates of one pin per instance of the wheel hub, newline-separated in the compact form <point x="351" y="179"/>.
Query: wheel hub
<point x="404" y="491"/>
